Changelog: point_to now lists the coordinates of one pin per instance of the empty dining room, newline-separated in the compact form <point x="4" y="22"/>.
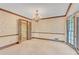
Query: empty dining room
<point x="39" y="28"/>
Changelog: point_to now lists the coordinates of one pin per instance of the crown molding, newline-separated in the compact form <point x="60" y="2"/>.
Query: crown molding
<point x="60" y="15"/>
<point x="53" y="17"/>
<point x="68" y="9"/>
<point x="41" y="18"/>
<point x="14" y="13"/>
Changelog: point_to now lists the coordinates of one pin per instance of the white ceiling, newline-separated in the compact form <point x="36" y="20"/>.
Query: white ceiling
<point x="28" y="9"/>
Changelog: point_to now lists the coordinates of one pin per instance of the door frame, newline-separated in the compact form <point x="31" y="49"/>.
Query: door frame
<point x="68" y="30"/>
<point x="29" y="30"/>
<point x="19" y="29"/>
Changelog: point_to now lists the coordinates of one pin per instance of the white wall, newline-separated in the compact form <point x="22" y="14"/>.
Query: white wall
<point x="54" y="25"/>
<point x="8" y="26"/>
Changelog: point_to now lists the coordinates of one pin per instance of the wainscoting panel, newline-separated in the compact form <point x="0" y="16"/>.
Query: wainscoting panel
<point x="52" y="36"/>
<point x="8" y="40"/>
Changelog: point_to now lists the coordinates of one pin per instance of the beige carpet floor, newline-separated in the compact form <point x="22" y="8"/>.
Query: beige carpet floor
<point x="39" y="47"/>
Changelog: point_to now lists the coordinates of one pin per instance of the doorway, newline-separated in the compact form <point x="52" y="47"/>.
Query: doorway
<point x="22" y="30"/>
<point x="71" y="31"/>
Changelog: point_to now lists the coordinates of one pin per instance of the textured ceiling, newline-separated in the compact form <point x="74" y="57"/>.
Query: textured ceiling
<point x="28" y="9"/>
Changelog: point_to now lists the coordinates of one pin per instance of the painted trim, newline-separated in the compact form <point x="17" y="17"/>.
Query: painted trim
<point x="72" y="47"/>
<point x="8" y="35"/>
<point x="49" y="33"/>
<point x="74" y="29"/>
<point x="60" y="15"/>
<point x="19" y="29"/>
<point x="48" y="39"/>
<point x="41" y="18"/>
<point x="68" y="9"/>
<point x="8" y="45"/>
<point x="76" y="19"/>
<point x="53" y="17"/>
<point x="13" y="13"/>
<point x="67" y="30"/>
<point x="29" y="30"/>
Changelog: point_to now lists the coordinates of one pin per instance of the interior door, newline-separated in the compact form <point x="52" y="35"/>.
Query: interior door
<point x="24" y="33"/>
